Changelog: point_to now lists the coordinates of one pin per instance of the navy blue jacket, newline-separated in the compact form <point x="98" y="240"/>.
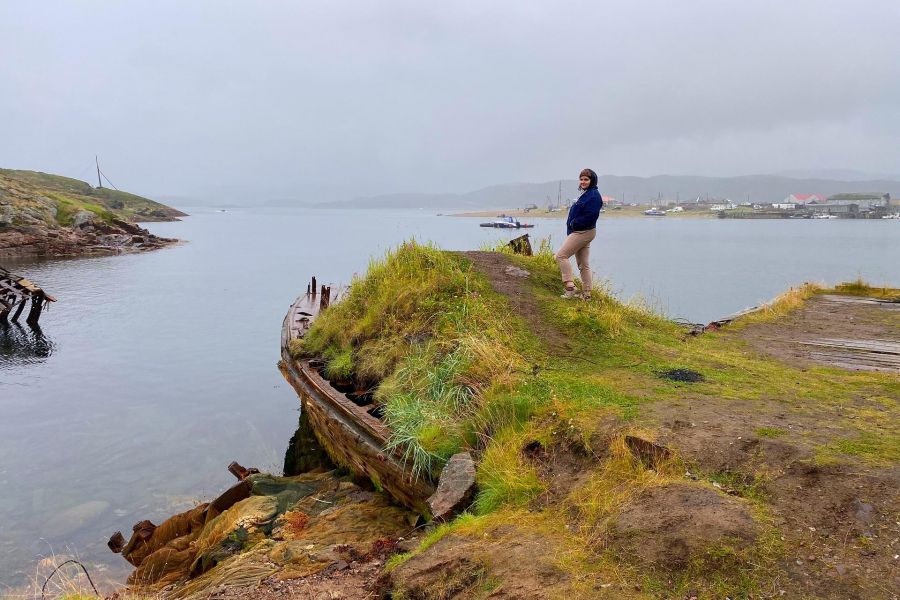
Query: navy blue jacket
<point x="583" y="214"/>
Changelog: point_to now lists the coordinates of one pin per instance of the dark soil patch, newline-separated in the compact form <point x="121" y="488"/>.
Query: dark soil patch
<point x="506" y="563"/>
<point x="670" y="527"/>
<point x="494" y="265"/>
<point x="682" y="375"/>
<point x="569" y="462"/>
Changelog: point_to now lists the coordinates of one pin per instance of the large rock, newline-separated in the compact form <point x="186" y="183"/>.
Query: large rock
<point x="72" y="519"/>
<point x="82" y="218"/>
<point x="456" y="488"/>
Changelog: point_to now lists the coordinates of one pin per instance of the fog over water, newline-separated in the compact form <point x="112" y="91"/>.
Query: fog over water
<point x="250" y="101"/>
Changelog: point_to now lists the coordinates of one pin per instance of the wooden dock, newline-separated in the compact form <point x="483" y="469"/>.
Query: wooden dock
<point x="15" y="293"/>
<point x="857" y="333"/>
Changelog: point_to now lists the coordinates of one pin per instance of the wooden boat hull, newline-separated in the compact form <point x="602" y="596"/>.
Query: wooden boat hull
<point x="351" y="436"/>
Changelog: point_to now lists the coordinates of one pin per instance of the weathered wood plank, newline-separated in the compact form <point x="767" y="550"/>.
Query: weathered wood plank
<point x="872" y="346"/>
<point x="861" y="300"/>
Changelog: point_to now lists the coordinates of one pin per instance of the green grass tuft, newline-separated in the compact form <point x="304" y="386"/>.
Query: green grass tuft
<point x="769" y="432"/>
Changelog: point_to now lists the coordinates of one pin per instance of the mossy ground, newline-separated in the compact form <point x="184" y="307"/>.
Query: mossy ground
<point x="457" y="367"/>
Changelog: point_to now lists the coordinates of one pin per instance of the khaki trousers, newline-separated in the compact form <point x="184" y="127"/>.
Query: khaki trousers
<point x="579" y="244"/>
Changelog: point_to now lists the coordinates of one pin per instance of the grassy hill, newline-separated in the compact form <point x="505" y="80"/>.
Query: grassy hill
<point x="619" y="456"/>
<point x="49" y="215"/>
<point x="42" y="192"/>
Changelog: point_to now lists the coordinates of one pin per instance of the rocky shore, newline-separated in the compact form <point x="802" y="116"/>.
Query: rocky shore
<point x="91" y="238"/>
<point x="49" y="216"/>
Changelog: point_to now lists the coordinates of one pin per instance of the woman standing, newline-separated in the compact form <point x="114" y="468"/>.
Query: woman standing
<point x="581" y="227"/>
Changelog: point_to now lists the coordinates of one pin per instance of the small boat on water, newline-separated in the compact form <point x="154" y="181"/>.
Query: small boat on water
<point x="507" y="223"/>
<point x="654" y="212"/>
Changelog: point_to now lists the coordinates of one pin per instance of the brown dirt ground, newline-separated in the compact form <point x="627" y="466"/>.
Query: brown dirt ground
<point x="506" y="563"/>
<point x="840" y="522"/>
<point x="515" y="289"/>
<point x="670" y="526"/>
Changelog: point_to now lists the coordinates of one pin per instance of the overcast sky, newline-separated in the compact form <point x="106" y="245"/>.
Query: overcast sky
<point x="342" y="99"/>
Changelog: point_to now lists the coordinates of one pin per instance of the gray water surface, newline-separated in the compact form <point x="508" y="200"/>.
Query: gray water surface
<point x="156" y="370"/>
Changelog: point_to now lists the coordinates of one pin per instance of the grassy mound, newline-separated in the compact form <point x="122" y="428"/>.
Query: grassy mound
<point x="577" y="443"/>
<point x="437" y="344"/>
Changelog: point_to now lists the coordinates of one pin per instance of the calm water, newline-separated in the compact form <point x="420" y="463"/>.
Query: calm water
<point x="156" y="370"/>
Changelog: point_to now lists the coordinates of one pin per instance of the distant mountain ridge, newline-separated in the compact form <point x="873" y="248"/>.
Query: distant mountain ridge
<point x="682" y="188"/>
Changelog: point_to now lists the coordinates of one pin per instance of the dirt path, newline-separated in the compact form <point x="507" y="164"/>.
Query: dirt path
<point x="512" y="282"/>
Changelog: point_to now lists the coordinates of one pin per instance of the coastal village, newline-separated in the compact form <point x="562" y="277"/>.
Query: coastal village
<point x="878" y="205"/>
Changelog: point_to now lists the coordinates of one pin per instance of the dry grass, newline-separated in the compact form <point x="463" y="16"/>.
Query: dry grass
<point x="784" y="304"/>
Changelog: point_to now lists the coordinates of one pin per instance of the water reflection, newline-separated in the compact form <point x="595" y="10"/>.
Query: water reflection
<point x="304" y="452"/>
<point x="21" y="345"/>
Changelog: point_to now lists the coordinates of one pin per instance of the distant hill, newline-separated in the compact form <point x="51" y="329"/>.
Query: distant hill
<point x="49" y="215"/>
<point x="65" y="190"/>
<point x="683" y="188"/>
<point x="836" y="174"/>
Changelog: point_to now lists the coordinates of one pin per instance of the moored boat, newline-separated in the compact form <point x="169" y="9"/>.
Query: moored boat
<point x="507" y="223"/>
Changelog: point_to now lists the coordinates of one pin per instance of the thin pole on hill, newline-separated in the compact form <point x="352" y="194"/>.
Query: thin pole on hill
<point x="97" y="161"/>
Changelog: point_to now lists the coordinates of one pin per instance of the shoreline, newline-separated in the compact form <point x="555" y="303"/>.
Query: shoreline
<point x="631" y="211"/>
<point x="119" y="237"/>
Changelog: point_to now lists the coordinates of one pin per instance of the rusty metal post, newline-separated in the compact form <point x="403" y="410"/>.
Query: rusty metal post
<point x="314" y="288"/>
<point x="326" y="298"/>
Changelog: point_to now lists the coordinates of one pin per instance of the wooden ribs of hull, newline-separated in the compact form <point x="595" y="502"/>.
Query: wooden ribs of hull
<point x="352" y="437"/>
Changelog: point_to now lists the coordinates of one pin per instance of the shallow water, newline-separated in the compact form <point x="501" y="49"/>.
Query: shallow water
<point x="154" y="371"/>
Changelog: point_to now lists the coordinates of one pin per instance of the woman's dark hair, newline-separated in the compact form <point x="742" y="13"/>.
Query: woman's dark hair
<point x="590" y="173"/>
